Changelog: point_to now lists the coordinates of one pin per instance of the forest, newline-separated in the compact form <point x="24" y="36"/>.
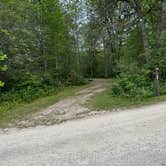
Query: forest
<point x="46" y="45"/>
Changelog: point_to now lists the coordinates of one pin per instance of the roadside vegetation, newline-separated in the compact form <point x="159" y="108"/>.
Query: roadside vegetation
<point x="50" y="45"/>
<point x="108" y="102"/>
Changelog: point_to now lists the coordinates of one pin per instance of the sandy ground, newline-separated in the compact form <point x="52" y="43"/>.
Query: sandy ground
<point x="135" y="137"/>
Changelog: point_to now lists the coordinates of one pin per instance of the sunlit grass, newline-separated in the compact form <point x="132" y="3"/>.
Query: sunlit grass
<point x="105" y="101"/>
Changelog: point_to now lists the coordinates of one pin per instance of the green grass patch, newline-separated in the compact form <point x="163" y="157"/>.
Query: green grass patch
<point x="105" y="101"/>
<point x="13" y="111"/>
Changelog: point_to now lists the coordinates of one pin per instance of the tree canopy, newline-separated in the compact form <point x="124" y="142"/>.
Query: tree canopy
<point x="51" y="42"/>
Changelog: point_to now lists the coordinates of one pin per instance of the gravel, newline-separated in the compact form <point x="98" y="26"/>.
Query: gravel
<point x="135" y="137"/>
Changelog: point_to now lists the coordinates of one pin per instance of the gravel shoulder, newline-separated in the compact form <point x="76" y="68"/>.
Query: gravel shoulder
<point x="135" y="137"/>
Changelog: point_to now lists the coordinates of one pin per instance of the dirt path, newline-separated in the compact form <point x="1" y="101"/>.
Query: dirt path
<point x="67" y="109"/>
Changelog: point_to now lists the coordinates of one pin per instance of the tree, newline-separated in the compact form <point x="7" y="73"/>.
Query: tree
<point x="54" y="41"/>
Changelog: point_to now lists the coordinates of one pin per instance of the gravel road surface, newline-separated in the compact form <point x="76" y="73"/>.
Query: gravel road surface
<point x="134" y="137"/>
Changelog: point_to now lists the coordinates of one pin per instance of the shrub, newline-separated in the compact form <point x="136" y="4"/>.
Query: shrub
<point x="2" y="67"/>
<point x="75" y="78"/>
<point x="135" y="85"/>
<point x="27" y="94"/>
<point x="31" y="87"/>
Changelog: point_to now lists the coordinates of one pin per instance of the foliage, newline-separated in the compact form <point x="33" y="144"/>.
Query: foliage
<point x="134" y="42"/>
<point x="136" y="85"/>
<point x="27" y="93"/>
<point x="75" y="78"/>
<point x="31" y="87"/>
<point x="107" y="101"/>
<point x="3" y="67"/>
<point x="36" y="37"/>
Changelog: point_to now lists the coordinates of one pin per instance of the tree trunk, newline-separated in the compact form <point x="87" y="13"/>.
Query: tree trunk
<point x="92" y="57"/>
<point x="137" y="6"/>
<point x="106" y="59"/>
<point x="160" y="25"/>
<point x="143" y="30"/>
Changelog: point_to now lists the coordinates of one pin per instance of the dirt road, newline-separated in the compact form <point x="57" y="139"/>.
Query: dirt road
<point x="70" y="108"/>
<point x="134" y="137"/>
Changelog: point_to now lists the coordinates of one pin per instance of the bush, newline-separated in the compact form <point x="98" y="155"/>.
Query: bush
<point x="135" y="85"/>
<point x="33" y="86"/>
<point x="163" y="88"/>
<point x="75" y="79"/>
<point x="27" y="94"/>
<point x="29" y="88"/>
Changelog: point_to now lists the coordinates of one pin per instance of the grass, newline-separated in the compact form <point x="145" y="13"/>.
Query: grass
<point x="12" y="112"/>
<point x="105" y="101"/>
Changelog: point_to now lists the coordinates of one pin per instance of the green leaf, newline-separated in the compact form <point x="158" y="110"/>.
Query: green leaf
<point x="3" y="57"/>
<point x="1" y="84"/>
<point x="4" y="68"/>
